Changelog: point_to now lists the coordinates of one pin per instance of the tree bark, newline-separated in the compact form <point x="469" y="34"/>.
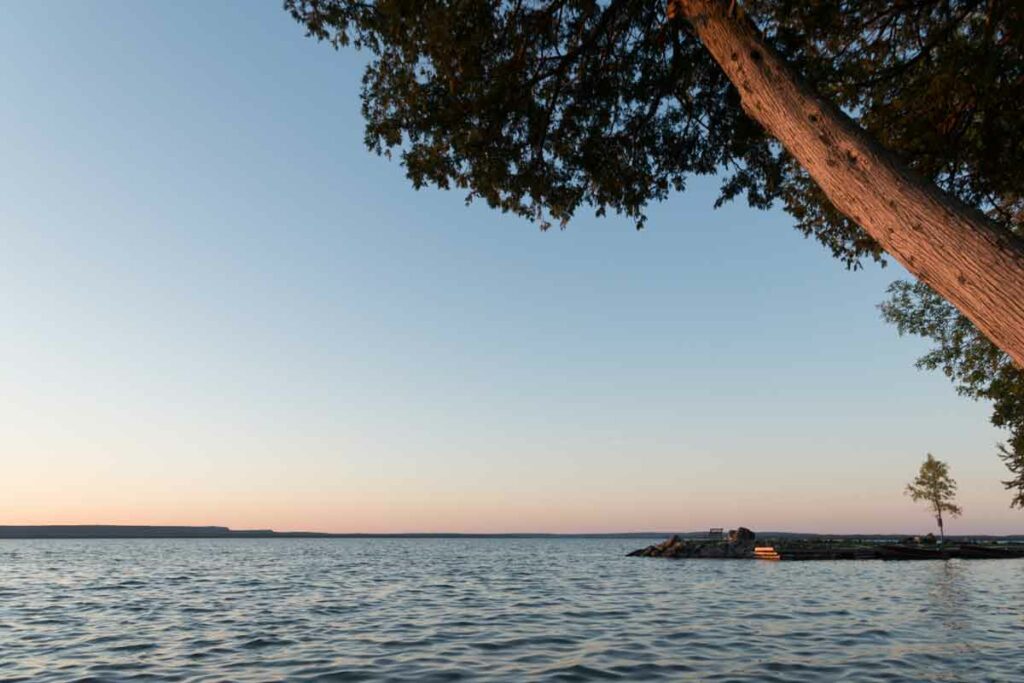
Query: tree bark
<point x="977" y="265"/>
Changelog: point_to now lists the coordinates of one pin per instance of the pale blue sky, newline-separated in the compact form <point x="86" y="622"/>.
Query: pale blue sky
<point x="220" y="308"/>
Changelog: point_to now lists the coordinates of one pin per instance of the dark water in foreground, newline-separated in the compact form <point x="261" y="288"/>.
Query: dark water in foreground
<point x="492" y="608"/>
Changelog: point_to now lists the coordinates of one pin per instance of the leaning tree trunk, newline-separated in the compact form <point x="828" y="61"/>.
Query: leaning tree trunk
<point x="971" y="261"/>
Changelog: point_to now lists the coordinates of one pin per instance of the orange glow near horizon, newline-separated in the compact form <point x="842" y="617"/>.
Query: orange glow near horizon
<point x="636" y="506"/>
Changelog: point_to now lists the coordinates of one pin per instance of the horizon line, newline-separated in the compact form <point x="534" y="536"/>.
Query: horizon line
<point x="13" y="531"/>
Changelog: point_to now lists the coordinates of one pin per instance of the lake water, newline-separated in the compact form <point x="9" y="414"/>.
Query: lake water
<point x="444" y="609"/>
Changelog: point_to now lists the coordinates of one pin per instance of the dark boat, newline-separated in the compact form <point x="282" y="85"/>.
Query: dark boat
<point x="910" y="552"/>
<point x="989" y="552"/>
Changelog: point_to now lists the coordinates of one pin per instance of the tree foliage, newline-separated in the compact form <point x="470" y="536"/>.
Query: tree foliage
<point x="977" y="368"/>
<point x="934" y="486"/>
<point x="541" y="107"/>
<point x="545" y="107"/>
<point x="1013" y="458"/>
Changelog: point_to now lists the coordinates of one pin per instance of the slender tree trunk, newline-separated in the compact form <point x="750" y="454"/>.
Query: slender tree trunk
<point x="942" y="533"/>
<point x="974" y="263"/>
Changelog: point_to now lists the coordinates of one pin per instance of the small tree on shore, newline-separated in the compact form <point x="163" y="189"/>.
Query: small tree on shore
<point x="934" y="486"/>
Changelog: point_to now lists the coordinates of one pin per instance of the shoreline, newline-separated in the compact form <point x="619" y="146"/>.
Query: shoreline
<point x="744" y="544"/>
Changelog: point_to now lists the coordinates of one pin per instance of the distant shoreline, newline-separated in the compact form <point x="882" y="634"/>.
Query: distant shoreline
<point x="118" y="531"/>
<point x="114" y="531"/>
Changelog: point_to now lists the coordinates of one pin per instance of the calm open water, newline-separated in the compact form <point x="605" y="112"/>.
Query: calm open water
<point x="421" y="609"/>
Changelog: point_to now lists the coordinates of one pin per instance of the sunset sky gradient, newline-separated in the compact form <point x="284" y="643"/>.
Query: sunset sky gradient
<point x="219" y="308"/>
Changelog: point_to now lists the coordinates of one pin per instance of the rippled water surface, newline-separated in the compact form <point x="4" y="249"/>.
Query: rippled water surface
<point x="421" y="609"/>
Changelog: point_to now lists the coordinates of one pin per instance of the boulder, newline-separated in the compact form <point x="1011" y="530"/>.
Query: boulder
<point x="740" y="543"/>
<point x="743" y="535"/>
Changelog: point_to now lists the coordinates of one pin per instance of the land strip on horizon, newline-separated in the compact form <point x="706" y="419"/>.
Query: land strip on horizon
<point x="86" y="531"/>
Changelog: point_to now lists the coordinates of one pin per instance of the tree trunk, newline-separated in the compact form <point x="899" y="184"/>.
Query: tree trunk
<point x="942" y="533"/>
<point x="974" y="263"/>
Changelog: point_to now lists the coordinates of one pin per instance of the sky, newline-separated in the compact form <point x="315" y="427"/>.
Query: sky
<point x="219" y="308"/>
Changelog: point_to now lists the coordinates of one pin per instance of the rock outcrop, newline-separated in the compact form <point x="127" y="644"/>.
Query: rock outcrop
<point x="738" y="544"/>
<point x="670" y="548"/>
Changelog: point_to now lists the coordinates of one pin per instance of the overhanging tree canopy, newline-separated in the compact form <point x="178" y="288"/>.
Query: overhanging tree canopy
<point x="892" y="125"/>
<point x="541" y="107"/>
